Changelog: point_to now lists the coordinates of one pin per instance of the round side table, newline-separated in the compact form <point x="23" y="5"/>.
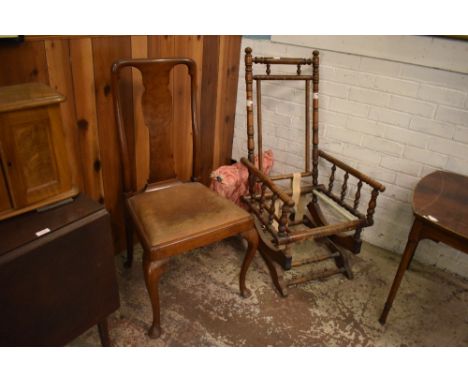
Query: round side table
<point x="440" y="208"/>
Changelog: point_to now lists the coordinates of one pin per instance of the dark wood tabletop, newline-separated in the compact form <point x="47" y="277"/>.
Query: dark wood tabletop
<point x="442" y="198"/>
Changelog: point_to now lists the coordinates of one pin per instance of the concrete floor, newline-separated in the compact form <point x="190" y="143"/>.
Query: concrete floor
<point x="201" y="305"/>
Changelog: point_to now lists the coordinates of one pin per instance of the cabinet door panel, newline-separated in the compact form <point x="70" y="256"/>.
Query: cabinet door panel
<point x="29" y="138"/>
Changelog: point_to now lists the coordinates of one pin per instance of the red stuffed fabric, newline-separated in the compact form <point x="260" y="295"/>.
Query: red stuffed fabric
<point x="232" y="181"/>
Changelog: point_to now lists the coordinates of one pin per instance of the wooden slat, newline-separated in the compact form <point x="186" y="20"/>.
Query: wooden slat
<point x="211" y="46"/>
<point x="320" y="231"/>
<point x="60" y="77"/>
<point x="81" y="56"/>
<point x="311" y="260"/>
<point x="307" y="126"/>
<point x="259" y="125"/>
<point x="226" y="99"/>
<point x="191" y="47"/>
<point x="315" y="276"/>
<point x="282" y="77"/>
<point x="27" y="96"/>
<point x="139" y="50"/>
<point x="22" y="63"/>
<point x="160" y="46"/>
<point x="282" y="60"/>
<point x="105" y="51"/>
<point x="289" y="176"/>
<point x="219" y="105"/>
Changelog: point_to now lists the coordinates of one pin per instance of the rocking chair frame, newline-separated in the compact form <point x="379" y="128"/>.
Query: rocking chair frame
<point x="264" y="193"/>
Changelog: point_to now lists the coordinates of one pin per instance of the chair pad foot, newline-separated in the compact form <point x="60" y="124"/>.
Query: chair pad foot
<point x="154" y="332"/>
<point x="246" y="293"/>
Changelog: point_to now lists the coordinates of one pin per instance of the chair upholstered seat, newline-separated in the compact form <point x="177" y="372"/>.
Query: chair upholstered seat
<point x="184" y="212"/>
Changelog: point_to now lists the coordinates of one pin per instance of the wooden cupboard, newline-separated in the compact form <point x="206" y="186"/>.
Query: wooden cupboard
<point x="33" y="160"/>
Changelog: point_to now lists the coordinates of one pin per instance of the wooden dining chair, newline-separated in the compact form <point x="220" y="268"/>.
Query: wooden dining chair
<point x="171" y="216"/>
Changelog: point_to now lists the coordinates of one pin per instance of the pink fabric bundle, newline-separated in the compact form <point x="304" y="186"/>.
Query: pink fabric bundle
<point x="232" y="181"/>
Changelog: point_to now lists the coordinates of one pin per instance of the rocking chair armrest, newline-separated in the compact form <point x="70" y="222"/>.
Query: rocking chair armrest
<point x="268" y="182"/>
<point x="366" y="179"/>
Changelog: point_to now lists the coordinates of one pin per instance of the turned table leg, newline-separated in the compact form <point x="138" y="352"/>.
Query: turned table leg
<point x="252" y="239"/>
<point x="411" y="245"/>
<point x="153" y="270"/>
<point x="103" y="329"/>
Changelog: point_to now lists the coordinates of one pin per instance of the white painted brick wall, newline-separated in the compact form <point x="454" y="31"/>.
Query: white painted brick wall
<point x="452" y="115"/>
<point x="394" y="121"/>
<point x="431" y="127"/>
<point x="389" y="116"/>
<point x="441" y="96"/>
<point x="396" y="86"/>
<point x="461" y="134"/>
<point x="410" y="105"/>
<point x="406" y="136"/>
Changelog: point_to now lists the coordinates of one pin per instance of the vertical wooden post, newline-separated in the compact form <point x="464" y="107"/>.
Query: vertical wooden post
<point x="190" y="47"/>
<point x="259" y="125"/>
<point x="315" y="106"/>
<point x="104" y="52"/>
<point x="228" y="78"/>
<point x="307" y="126"/>
<point x="250" y="127"/>
<point x="248" y="89"/>
<point x="60" y="78"/>
<point x="208" y="104"/>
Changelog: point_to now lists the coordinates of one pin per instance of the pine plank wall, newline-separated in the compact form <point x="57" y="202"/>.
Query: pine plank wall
<point x="79" y="68"/>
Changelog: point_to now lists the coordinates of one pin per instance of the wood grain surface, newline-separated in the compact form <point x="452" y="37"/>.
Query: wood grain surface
<point x="79" y="68"/>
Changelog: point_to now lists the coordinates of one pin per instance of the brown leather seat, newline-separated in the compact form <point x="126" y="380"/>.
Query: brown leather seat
<point x="184" y="213"/>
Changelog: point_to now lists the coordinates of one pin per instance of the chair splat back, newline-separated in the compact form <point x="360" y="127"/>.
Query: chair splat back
<point x="157" y="108"/>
